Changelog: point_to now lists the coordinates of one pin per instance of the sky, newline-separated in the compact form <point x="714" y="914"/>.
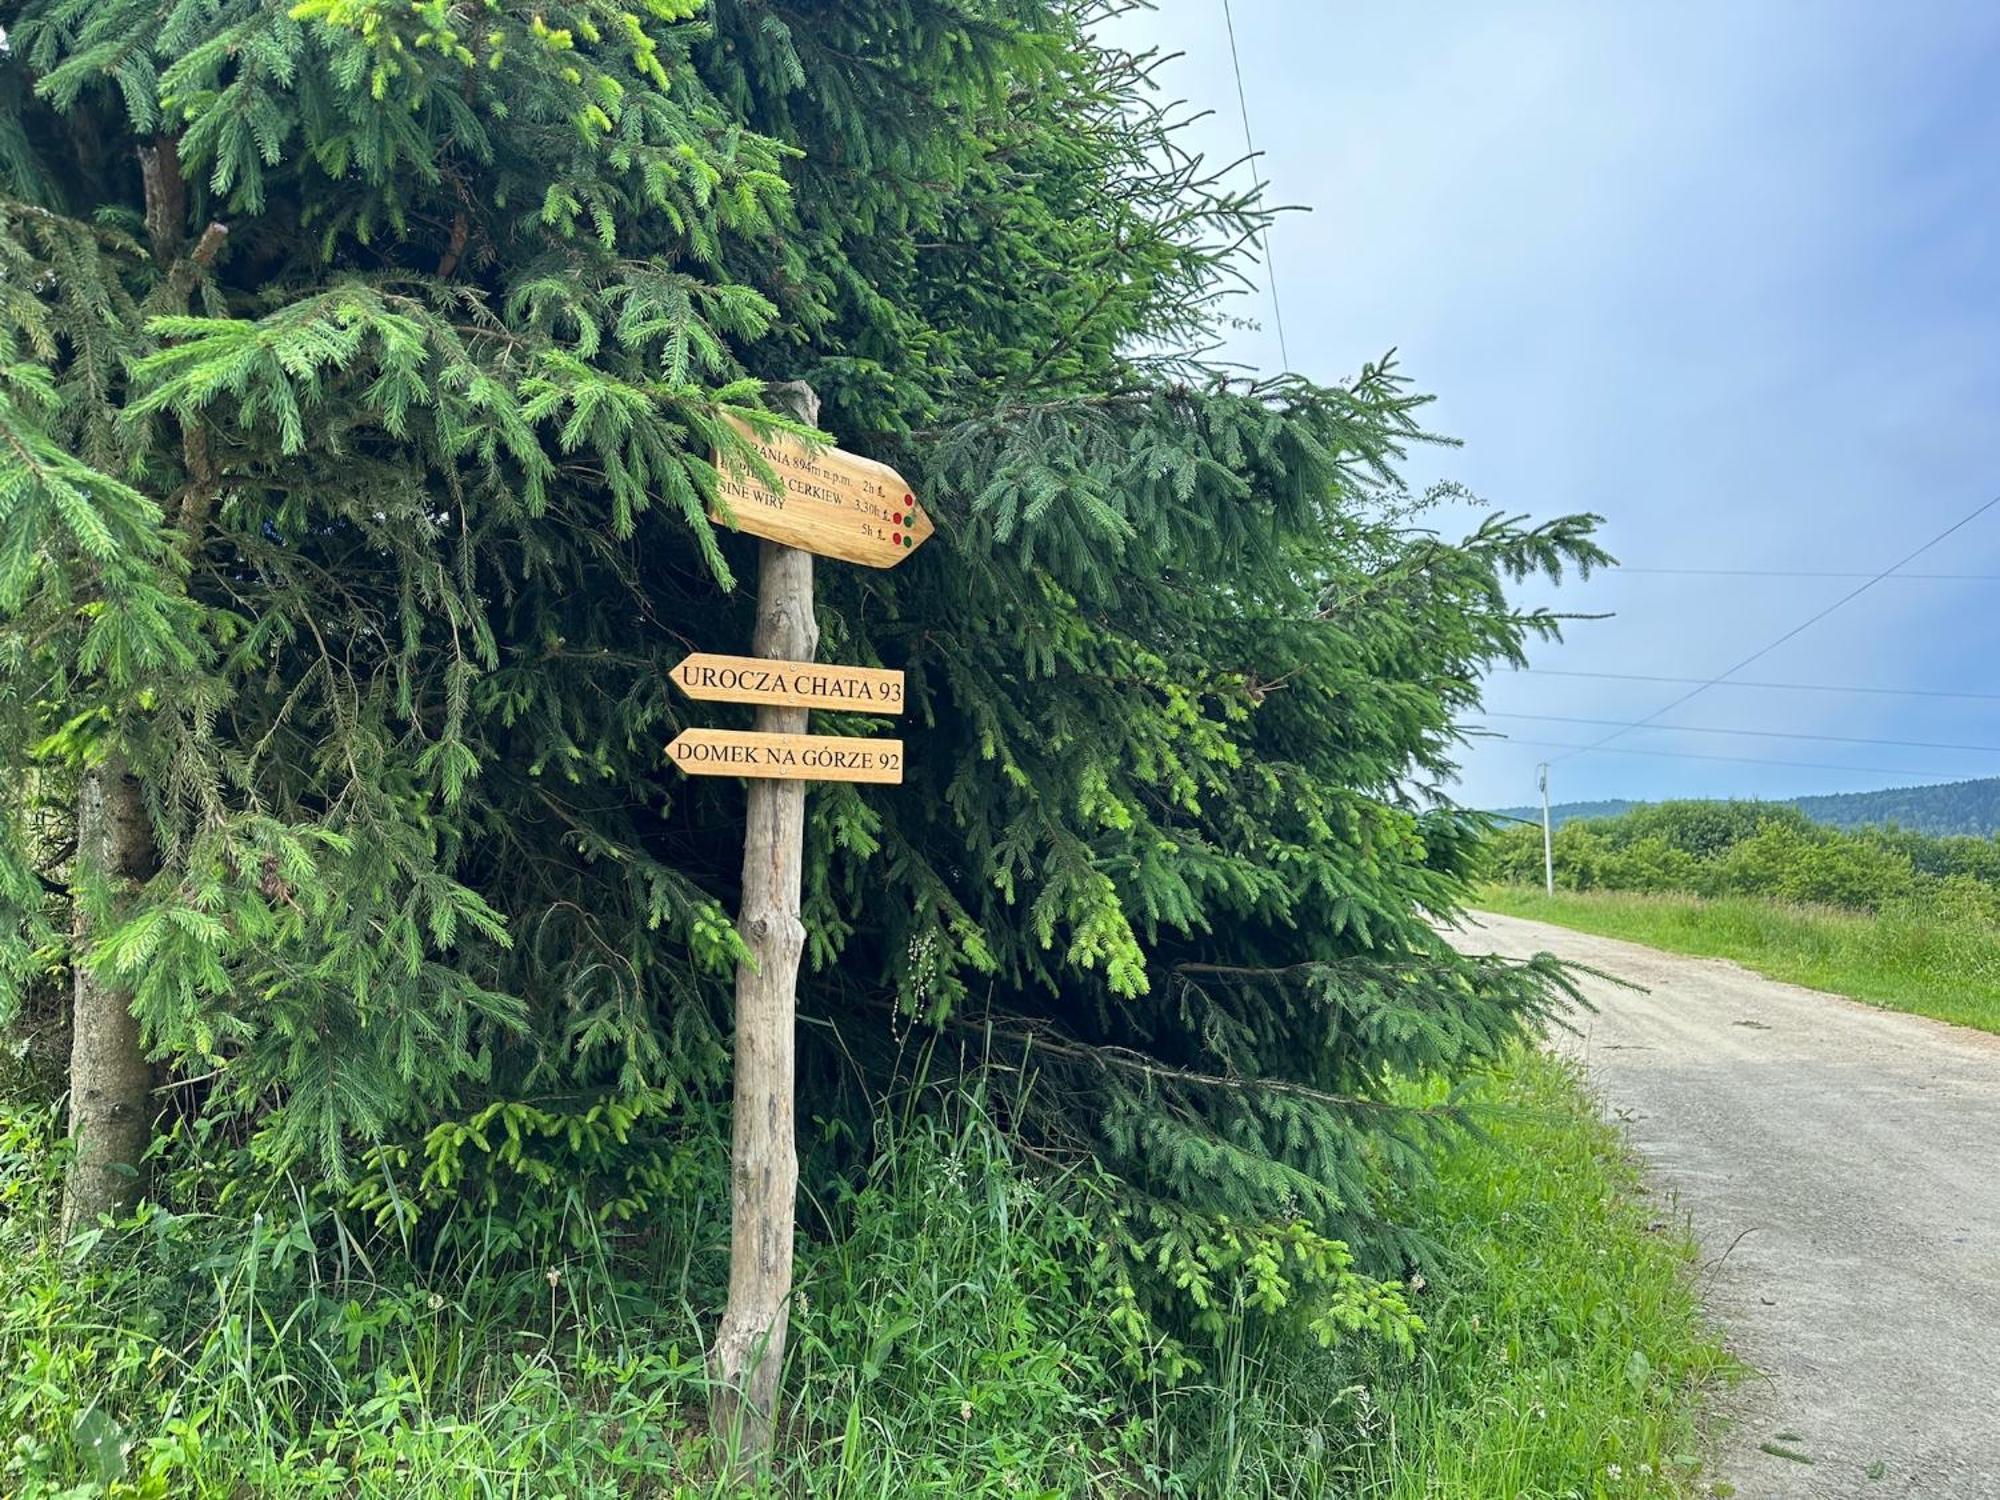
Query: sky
<point x="1728" y="275"/>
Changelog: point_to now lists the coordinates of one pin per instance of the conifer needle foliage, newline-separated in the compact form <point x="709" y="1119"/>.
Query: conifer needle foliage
<point x="360" y="366"/>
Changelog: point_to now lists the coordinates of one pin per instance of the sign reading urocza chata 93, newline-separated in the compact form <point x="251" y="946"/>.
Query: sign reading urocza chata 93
<point x="789" y="684"/>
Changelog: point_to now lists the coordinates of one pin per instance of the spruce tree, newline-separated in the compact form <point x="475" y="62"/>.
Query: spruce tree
<point x="360" y="364"/>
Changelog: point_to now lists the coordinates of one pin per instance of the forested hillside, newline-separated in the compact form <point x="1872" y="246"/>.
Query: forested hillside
<point x="1567" y="812"/>
<point x="1951" y="807"/>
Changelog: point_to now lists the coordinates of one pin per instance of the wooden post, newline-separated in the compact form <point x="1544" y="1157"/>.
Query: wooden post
<point x="749" y="1351"/>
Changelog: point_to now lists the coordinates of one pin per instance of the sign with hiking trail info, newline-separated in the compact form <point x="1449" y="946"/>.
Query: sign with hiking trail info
<point x="834" y="503"/>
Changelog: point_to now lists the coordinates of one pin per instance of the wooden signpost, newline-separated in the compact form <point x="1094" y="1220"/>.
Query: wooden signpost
<point x="833" y="503"/>
<point x="787" y="757"/>
<point x="789" y="684"/>
<point x="838" y="505"/>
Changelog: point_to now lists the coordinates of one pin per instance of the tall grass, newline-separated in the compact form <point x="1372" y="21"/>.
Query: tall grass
<point x="1567" y="1356"/>
<point x="950" y="1339"/>
<point x="1940" y="964"/>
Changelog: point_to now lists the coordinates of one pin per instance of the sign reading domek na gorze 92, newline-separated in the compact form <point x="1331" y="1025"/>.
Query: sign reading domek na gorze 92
<point x="787" y="757"/>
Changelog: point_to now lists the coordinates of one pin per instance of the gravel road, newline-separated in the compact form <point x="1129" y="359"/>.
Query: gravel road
<point x="1842" y="1168"/>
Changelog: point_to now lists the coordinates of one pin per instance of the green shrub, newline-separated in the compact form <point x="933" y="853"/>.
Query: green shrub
<point x="1586" y="859"/>
<point x="1650" y="863"/>
<point x="1813" y="865"/>
<point x="1512" y="853"/>
<point x="1956" y="899"/>
<point x="1952" y="854"/>
<point x="1752" y="849"/>
<point x="1699" y="828"/>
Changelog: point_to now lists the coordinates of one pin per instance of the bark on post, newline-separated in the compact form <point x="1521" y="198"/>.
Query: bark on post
<point x="749" y="1347"/>
<point x="110" y="1084"/>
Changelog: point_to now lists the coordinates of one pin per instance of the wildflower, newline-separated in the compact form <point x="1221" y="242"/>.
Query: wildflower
<point x="553" y="1276"/>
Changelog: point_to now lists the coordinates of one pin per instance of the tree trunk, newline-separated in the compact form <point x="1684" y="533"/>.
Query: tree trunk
<point x="110" y="1085"/>
<point x="749" y="1347"/>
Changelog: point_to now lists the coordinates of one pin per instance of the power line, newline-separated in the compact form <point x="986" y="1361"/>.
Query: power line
<point x="1789" y="687"/>
<point x="1621" y="569"/>
<point x="1769" y="734"/>
<point x="1250" y="149"/>
<point x="1797" y="630"/>
<point x="1743" y="760"/>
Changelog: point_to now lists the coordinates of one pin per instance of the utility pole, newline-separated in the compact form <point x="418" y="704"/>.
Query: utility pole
<point x="1548" y="844"/>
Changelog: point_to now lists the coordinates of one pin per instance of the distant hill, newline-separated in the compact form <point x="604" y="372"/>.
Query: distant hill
<point x="1949" y="807"/>
<point x="1564" y="812"/>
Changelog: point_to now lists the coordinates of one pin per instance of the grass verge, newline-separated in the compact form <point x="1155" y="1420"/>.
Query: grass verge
<point x="1568" y="1354"/>
<point x="1945" y="967"/>
<point x="951" y="1344"/>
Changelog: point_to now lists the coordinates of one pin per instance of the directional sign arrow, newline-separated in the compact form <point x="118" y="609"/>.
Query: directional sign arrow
<point x="787" y="757"/>
<point x="789" y="684"/>
<point x="833" y="503"/>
